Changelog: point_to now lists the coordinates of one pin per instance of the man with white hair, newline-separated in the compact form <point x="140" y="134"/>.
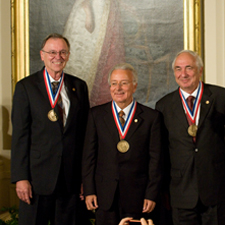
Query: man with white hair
<point x="122" y="153"/>
<point x="194" y="119"/>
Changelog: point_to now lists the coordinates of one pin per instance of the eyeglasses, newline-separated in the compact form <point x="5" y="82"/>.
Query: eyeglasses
<point x="62" y="53"/>
<point x="122" y="83"/>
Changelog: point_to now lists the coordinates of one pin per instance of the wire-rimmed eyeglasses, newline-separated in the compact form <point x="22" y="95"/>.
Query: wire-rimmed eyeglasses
<point x="52" y="53"/>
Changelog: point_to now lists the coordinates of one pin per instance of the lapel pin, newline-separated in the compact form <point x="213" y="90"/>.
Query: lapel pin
<point x="73" y="89"/>
<point x="136" y="120"/>
<point x="207" y="102"/>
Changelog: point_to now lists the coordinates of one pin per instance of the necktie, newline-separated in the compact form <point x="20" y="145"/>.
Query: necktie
<point x="59" y="101"/>
<point x="190" y="102"/>
<point x="122" y="120"/>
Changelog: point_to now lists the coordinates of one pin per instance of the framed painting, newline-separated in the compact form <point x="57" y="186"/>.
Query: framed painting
<point x="102" y="33"/>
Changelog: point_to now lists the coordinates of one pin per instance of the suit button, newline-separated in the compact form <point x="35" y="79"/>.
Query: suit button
<point x="196" y="150"/>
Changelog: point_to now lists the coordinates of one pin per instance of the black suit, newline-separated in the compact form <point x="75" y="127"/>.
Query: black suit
<point x="42" y="149"/>
<point x="197" y="169"/>
<point x="135" y="174"/>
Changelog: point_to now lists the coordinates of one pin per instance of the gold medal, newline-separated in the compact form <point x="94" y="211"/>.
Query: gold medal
<point x="192" y="130"/>
<point x="123" y="146"/>
<point x="52" y="115"/>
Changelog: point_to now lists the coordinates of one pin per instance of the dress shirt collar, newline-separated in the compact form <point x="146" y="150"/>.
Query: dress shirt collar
<point x="52" y="80"/>
<point x="125" y="110"/>
<point x="194" y="93"/>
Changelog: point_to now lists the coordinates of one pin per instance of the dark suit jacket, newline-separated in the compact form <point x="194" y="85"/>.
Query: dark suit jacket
<point x="197" y="170"/>
<point x="135" y="173"/>
<point x="40" y="146"/>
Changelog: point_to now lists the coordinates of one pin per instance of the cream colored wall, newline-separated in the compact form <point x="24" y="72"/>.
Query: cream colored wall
<point x="214" y="73"/>
<point x="215" y="42"/>
<point x="5" y="103"/>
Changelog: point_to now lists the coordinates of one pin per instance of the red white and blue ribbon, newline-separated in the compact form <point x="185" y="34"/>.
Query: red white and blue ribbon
<point x="193" y="114"/>
<point x="53" y="98"/>
<point x="123" y="130"/>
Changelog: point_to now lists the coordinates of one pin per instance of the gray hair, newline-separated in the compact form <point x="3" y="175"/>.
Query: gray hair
<point x="198" y="59"/>
<point x="55" y="36"/>
<point x="124" y="66"/>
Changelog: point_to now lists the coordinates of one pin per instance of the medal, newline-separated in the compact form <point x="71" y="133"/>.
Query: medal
<point x="123" y="146"/>
<point x="52" y="115"/>
<point x="52" y="97"/>
<point x="192" y="130"/>
<point x="123" y="130"/>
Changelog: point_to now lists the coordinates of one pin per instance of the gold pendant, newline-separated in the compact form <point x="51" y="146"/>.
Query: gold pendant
<point x="192" y="130"/>
<point x="123" y="146"/>
<point x="52" y="115"/>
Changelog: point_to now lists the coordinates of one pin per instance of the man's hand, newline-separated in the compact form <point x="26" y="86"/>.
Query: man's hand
<point x="148" y="206"/>
<point x="91" y="202"/>
<point x="23" y="190"/>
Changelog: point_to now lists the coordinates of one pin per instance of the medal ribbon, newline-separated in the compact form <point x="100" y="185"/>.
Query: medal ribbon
<point x="123" y="130"/>
<point x="53" y="98"/>
<point x="193" y="114"/>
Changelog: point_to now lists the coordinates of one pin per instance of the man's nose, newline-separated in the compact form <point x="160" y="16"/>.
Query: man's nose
<point x="118" y="86"/>
<point x="183" y="72"/>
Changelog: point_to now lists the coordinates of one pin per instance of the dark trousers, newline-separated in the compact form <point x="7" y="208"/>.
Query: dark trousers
<point x="115" y="213"/>
<point x="59" y="210"/>
<point x="200" y="215"/>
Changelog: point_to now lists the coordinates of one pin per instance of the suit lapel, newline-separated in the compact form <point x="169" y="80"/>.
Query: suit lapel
<point x="178" y="110"/>
<point x="110" y="122"/>
<point x="74" y="106"/>
<point x="206" y="103"/>
<point x="41" y="86"/>
<point x="136" y="122"/>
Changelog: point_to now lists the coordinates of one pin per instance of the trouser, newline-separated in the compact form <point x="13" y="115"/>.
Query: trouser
<point x="59" y="210"/>
<point x="115" y="213"/>
<point x="200" y="215"/>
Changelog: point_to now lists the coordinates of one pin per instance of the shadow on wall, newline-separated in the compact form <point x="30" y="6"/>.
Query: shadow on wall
<point x="4" y="182"/>
<point x="8" y="196"/>
<point x="5" y="129"/>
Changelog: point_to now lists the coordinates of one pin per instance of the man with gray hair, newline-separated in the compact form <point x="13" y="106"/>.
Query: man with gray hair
<point x="49" y="115"/>
<point x="122" y="153"/>
<point x="194" y="119"/>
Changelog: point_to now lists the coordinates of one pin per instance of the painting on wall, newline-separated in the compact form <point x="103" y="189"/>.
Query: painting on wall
<point x="103" y="33"/>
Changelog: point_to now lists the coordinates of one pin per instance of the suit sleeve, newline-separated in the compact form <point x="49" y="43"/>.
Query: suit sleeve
<point x="165" y="153"/>
<point x="86" y="107"/>
<point x="21" y="121"/>
<point x="89" y="157"/>
<point x="155" y="163"/>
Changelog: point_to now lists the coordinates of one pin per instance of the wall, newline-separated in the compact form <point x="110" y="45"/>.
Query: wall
<point x="215" y="42"/>
<point x="5" y="103"/>
<point x="214" y="73"/>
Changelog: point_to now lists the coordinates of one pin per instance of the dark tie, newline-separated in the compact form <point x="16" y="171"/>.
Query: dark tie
<point x="122" y="120"/>
<point x="59" y="101"/>
<point x="190" y="102"/>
